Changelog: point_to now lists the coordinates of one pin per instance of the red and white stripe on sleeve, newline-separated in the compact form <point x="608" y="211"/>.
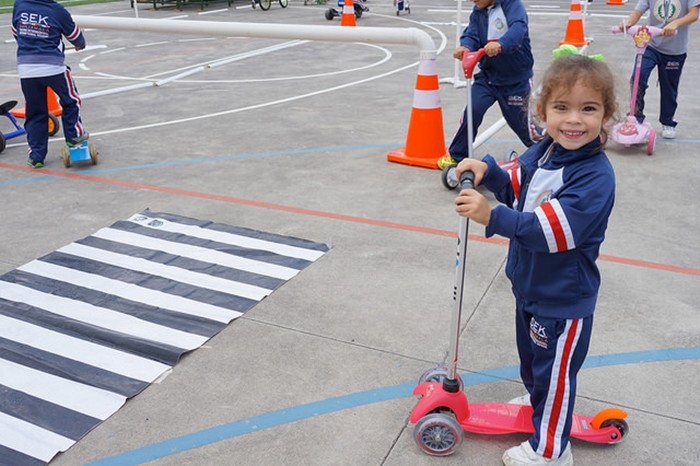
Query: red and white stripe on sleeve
<point x="73" y="35"/>
<point x="555" y="226"/>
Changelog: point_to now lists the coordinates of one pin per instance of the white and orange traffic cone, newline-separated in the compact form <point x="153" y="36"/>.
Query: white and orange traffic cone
<point x="425" y="142"/>
<point x="348" y="18"/>
<point x="574" y="28"/>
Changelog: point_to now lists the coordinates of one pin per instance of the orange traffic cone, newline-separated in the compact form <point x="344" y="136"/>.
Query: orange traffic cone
<point x="616" y="2"/>
<point x="425" y="142"/>
<point x="54" y="105"/>
<point x="348" y="18"/>
<point x="52" y="101"/>
<point x="574" y="29"/>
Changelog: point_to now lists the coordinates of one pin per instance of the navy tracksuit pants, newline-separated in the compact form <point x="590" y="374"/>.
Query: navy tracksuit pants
<point x="669" y="69"/>
<point x="551" y="352"/>
<point x="37" y="113"/>
<point x="513" y="100"/>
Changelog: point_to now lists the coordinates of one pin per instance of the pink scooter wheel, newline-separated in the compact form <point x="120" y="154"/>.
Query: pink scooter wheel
<point x="651" y="144"/>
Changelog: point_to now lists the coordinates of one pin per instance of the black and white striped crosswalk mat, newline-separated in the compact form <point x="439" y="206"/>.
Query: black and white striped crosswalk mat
<point x="93" y="323"/>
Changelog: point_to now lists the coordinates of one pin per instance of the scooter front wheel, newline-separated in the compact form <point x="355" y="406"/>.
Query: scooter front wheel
<point x="438" y="374"/>
<point x="449" y="178"/>
<point x="438" y="434"/>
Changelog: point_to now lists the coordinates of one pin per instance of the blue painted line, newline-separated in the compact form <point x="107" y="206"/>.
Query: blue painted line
<point x="173" y="163"/>
<point x="254" y="424"/>
<point x="30" y="180"/>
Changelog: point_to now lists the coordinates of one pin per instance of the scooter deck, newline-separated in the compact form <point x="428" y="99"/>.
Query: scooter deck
<point x="503" y="418"/>
<point x="506" y="418"/>
<point x="79" y="153"/>
<point x="85" y="152"/>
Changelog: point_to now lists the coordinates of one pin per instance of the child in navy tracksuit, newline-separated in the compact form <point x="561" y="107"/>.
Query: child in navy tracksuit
<point x="667" y="53"/>
<point x="555" y="213"/>
<point x="500" y="27"/>
<point x="38" y="27"/>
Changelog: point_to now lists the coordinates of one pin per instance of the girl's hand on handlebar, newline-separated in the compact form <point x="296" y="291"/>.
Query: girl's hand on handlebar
<point x="459" y="52"/>
<point x="472" y="204"/>
<point x="492" y="49"/>
<point x="475" y="166"/>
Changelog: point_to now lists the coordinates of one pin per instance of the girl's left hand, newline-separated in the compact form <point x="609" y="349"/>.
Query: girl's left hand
<point x="472" y="204"/>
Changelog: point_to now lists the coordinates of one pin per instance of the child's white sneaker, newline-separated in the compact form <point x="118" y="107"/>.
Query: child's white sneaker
<point x="524" y="455"/>
<point x="668" y="132"/>
<point x="521" y="400"/>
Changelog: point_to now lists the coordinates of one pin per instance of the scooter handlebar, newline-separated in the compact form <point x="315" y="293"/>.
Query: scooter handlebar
<point x="632" y="30"/>
<point x="466" y="180"/>
<point x="469" y="61"/>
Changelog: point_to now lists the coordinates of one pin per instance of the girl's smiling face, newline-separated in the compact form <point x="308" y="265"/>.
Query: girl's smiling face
<point x="574" y="117"/>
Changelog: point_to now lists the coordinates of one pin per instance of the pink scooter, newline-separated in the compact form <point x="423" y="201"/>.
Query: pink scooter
<point x="443" y="413"/>
<point x="630" y="131"/>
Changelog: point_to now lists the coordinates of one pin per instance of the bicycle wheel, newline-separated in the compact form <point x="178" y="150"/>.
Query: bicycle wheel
<point x="284" y="3"/>
<point x="265" y="4"/>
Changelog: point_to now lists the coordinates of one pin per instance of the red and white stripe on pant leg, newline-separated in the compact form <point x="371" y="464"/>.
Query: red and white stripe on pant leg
<point x="558" y="402"/>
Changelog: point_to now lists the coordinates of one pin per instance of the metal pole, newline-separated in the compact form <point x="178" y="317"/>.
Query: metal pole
<point x="378" y="35"/>
<point x="455" y="81"/>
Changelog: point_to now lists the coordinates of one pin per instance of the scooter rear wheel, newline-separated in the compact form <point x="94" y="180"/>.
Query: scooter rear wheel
<point x="65" y="155"/>
<point x="621" y="426"/>
<point x="651" y="143"/>
<point x="3" y="142"/>
<point x="93" y="154"/>
<point x="438" y="434"/>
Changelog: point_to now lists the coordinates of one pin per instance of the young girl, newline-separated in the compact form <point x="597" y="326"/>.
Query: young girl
<point x="555" y="213"/>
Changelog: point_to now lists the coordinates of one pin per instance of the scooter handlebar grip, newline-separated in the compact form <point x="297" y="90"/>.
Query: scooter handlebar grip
<point x="466" y="180"/>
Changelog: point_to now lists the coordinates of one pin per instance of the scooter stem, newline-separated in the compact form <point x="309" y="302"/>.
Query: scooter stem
<point x="635" y="83"/>
<point x="466" y="182"/>
<point x="469" y="62"/>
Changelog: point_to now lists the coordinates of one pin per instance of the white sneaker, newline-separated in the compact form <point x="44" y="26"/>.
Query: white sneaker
<point x="524" y="455"/>
<point x="521" y="400"/>
<point x="668" y="132"/>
